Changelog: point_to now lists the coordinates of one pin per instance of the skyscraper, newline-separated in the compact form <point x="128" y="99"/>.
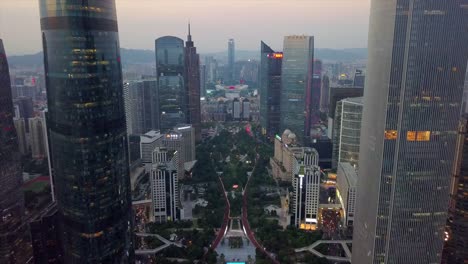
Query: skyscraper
<point x="143" y="114"/>
<point x="296" y="86"/>
<point x="231" y="61"/>
<point x="412" y="103"/>
<point x="457" y="234"/>
<point x="87" y="131"/>
<point x="325" y="94"/>
<point x="14" y="237"/>
<point x="316" y="93"/>
<point x="170" y="70"/>
<point x="270" y="89"/>
<point x="38" y="139"/>
<point x="192" y="78"/>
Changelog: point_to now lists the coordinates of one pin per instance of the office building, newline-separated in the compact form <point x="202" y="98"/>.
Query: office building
<point x="143" y="113"/>
<point x="170" y="70"/>
<point x="14" y="234"/>
<point x="37" y="129"/>
<point x="359" y="78"/>
<point x="347" y="131"/>
<point x="346" y="179"/>
<point x="174" y="140"/>
<point x="164" y="185"/>
<point x="246" y="109"/>
<point x="316" y="93"/>
<point x="211" y="69"/>
<point x="236" y="109"/>
<point x="456" y="238"/>
<point x="188" y="137"/>
<point x="192" y="79"/>
<point x="148" y="142"/>
<point x="87" y="130"/>
<point x="231" y="60"/>
<point x="306" y="185"/>
<point x="270" y="90"/>
<point x="338" y="94"/>
<point x="296" y="81"/>
<point x="20" y="127"/>
<point x="325" y="94"/>
<point x="203" y="76"/>
<point x="45" y="236"/>
<point x="412" y="103"/>
<point x="283" y="162"/>
<point x="24" y="107"/>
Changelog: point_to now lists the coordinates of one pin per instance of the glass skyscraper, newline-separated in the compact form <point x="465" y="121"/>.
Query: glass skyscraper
<point x="414" y="84"/>
<point x="192" y="77"/>
<point x="270" y="90"/>
<point x="231" y="62"/>
<point x="14" y="237"/>
<point x="296" y="86"/>
<point x="170" y="70"/>
<point x="87" y="130"/>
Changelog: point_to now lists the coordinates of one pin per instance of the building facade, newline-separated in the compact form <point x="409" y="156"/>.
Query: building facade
<point x="296" y="82"/>
<point x="170" y="71"/>
<point x="231" y="60"/>
<point x="148" y="142"/>
<point x="192" y="79"/>
<point x="15" y="244"/>
<point x="412" y="103"/>
<point x="37" y="137"/>
<point x="347" y="131"/>
<point x="164" y="186"/>
<point x="143" y="103"/>
<point x="306" y="185"/>
<point x="270" y="90"/>
<point x="325" y="94"/>
<point x="346" y="179"/>
<point x="45" y="235"/>
<point x="87" y="130"/>
<point x="316" y="93"/>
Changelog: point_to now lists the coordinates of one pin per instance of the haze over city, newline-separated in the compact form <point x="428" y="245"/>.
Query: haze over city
<point x="213" y="23"/>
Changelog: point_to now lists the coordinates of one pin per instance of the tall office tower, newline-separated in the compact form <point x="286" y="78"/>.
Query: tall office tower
<point x="45" y="236"/>
<point x="211" y="69"/>
<point x="347" y="131"/>
<point x="306" y="185"/>
<point x="457" y="234"/>
<point x="412" y="103"/>
<point x="231" y="61"/>
<point x="337" y="94"/>
<point x="175" y="141"/>
<point x="87" y="131"/>
<point x="346" y="190"/>
<point x="128" y="107"/>
<point x="325" y="94"/>
<point x="192" y="79"/>
<point x="188" y="141"/>
<point x="170" y="70"/>
<point x="38" y="138"/>
<point x="359" y="78"/>
<point x="236" y="109"/>
<point x="143" y="96"/>
<point x="148" y="142"/>
<point x="316" y="92"/>
<point x="270" y="90"/>
<point x="24" y="105"/>
<point x="203" y="75"/>
<point x="164" y="185"/>
<point x="14" y="238"/>
<point x="20" y="126"/>
<point x="296" y="81"/>
<point x="246" y="109"/>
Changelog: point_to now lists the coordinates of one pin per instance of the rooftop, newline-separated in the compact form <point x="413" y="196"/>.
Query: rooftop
<point x="150" y="136"/>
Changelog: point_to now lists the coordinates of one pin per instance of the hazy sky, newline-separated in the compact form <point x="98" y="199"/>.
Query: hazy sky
<point x="334" y="23"/>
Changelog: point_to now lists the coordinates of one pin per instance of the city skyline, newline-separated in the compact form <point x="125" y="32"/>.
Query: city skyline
<point x="330" y="30"/>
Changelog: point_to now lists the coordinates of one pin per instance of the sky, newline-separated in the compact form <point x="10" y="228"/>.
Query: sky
<point x="333" y="23"/>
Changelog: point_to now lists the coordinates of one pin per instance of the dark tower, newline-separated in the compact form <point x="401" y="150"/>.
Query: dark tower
<point x="14" y="237"/>
<point x="87" y="130"/>
<point x="192" y="76"/>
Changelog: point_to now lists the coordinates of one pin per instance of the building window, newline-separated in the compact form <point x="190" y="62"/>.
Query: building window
<point x="418" y="135"/>
<point x="391" y="134"/>
<point x="411" y="136"/>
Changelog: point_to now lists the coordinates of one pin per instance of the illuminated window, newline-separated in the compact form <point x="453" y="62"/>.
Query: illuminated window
<point x="391" y="134"/>
<point x="411" y="136"/>
<point x="423" y="135"/>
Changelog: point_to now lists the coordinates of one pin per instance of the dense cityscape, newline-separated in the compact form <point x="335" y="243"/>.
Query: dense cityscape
<point x="292" y="155"/>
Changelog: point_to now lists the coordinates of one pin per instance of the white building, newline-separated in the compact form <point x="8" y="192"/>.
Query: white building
<point x="148" y="143"/>
<point x="38" y="137"/>
<point x="164" y="185"/>
<point x="346" y="190"/>
<point x="20" y="127"/>
<point x="188" y="141"/>
<point x="306" y="185"/>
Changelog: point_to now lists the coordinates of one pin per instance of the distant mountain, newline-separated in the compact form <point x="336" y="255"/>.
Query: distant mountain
<point x="136" y="56"/>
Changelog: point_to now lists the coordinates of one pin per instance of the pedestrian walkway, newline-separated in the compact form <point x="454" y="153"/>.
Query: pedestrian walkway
<point x="344" y="244"/>
<point x="166" y="242"/>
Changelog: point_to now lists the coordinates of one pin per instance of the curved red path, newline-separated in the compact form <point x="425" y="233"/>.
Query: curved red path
<point x="223" y="228"/>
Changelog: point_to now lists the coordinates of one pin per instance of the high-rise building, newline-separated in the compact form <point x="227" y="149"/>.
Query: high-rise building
<point x="231" y="61"/>
<point x="20" y="127"/>
<point x="316" y="93"/>
<point x="37" y="137"/>
<point x="192" y="79"/>
<point x="143" y="114"/>
<point x="170" y="70"/>
<point x="87" y="131"/>
<point x="188" y="138"/>
<point x="203" y="76"/>
<point x="246" y="109"/>
<point x="306" y="185"/>
<point x="14" y="232"/>
<point x="325" y="94"/>
<point x="236" y="109"/>
<point x="457" y="232"/>
<point x="346" y="179"/>
<point x="270" y="90"/>
<point x="296" y="86"/>
<point x="338" y="94"/>
<point x="25" y="108"/>
<point x="415" y="74"/>
<point x="148" y="142"/>
<point x="211" y="69"/>
<point x="45" y="235"/>
<point x="347" y="131"/>
<point x="359" y="78"/>
<point x="164" y="185"/>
